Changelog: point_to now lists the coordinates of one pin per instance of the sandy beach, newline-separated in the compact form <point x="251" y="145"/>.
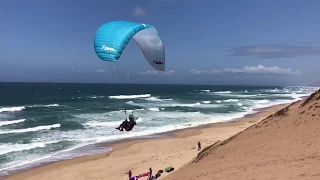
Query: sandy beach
<point x="139" y="155"/>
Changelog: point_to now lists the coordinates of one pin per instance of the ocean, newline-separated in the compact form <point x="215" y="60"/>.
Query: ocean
<point x="41" y="122"/>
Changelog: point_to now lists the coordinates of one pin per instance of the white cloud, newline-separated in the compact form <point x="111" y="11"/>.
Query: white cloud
<point x="169" y="72"/>
<point x="260" y="69"/>
<point x="138" y="11"/>
<point x="157" y="72"/>
<point x="263" y="69"/>
<point x="96" y="70"/>
<point x="213" y="71"/>
<point x="150" y="73"/>
<point x="100" y="70"/>
<point x="276" y="51"/>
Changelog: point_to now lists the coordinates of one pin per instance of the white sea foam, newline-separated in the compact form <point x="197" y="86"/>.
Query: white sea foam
<point x="9" y="148"/>
<point x="130" y="96"/>
<point x="175" y="104"/>
<point x="239" y="95"/>
<point x="47" y="105"/>
<point x="5" y="123"/>
<point x="206" y="102"/>
<point x="184" y="104"/>
<point x="38" y="128"/>
<point x="239" y="104"/>
<point x="273" y="90"/>
<point x="20" y="108"/>
<point x="11" y="109"/>
<point x="153" y="99"/>
<point x="261" y="101"/>
<point x="231" y="100"/>
<point x="154" y="109"/>
<point x="157" y="99"/>
<point x="96" y="97"/>
<point x="271" y="103"/>
<point x="106" y="124"/>
<point x="223" y="92"/>
<point x="292" y="95"/>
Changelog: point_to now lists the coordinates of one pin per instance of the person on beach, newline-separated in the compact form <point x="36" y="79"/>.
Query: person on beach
<point x="150" y="173"/>
<point x="199" y="146"/>
<point x="130" y="174"/>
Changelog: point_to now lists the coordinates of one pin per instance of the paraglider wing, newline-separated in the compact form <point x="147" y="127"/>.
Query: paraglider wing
<point x="152" y="47"/>
<point x="111" y="39"/>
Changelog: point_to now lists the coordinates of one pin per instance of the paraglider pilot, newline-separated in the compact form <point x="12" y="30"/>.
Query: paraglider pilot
<point x="127" y="125"/>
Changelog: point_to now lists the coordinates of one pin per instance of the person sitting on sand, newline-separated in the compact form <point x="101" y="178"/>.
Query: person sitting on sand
<point x="127" y="125"/>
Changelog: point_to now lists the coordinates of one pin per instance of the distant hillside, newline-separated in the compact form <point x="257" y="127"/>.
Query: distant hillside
<point x="285" y="145"/>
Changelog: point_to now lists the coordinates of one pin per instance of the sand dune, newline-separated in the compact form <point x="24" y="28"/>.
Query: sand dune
<point x="285" y="145"/>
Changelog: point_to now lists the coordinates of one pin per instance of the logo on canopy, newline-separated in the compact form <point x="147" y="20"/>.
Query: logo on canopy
<point x="106" y="48"/>
<point x="157" y="62"/>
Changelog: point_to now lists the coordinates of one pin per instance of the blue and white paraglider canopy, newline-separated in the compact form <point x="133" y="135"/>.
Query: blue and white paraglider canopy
<point x="112" y="38"/>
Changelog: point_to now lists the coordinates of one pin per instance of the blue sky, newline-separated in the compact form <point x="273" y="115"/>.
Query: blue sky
<point x="273" y="42"/>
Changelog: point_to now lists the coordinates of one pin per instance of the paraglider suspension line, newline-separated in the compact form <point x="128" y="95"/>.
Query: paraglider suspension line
<point x="114" y="77"/>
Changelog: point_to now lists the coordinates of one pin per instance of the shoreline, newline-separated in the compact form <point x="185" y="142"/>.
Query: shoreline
<point x="108" y="144"/>
<point x="122" y="144"/>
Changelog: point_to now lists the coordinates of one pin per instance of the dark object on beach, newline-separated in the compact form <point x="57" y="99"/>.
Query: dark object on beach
<point x="158" y="175"/>
<point x="199" y="146"/>
<point x="169" y="169"/>
<point x="130" y="174"/>
<point x="150" y="172"/>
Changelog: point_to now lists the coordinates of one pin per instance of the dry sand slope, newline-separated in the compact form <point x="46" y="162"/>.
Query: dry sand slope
<point x="285" y="145"/>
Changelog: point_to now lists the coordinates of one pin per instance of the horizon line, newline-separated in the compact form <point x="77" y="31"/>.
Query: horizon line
<point x="41" y="82"/>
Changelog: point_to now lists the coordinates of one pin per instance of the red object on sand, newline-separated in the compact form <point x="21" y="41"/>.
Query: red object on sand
<point x="144" y="174"/>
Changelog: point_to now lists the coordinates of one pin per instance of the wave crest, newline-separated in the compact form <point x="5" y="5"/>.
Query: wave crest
<point x="9" y="148"/>
<point x="11" y="109"/>
<point x="130" y="96"/>
<point x="223" y="92"/>
<point x="5" y="123"/>
<point x="32" y="129"/>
